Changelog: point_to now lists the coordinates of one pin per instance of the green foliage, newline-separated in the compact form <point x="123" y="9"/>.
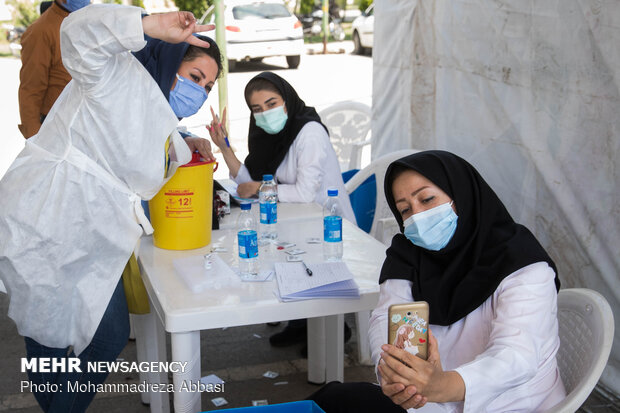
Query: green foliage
<point x="24" y="12"/>
<point x="113" y="1"/>
<point x="306" y="6"/>
<point x="198" y="7"/>
<point x="364" y="4"/>
<point x="137" y="3"/>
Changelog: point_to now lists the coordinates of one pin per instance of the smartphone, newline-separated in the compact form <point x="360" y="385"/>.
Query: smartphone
<point x="408" y="327"/>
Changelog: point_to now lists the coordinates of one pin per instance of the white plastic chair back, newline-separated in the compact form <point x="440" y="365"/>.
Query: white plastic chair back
<point x="586" y="334"/>
<point x="349" y="126"/>
<point x="384" y="225"/>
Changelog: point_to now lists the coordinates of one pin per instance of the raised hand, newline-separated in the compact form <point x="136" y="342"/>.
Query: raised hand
<point x="217" y="130"/>
<point x="175" y="27"/>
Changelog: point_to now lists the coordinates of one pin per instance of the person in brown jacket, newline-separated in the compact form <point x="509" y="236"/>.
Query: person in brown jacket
<point x="43" y="76"/>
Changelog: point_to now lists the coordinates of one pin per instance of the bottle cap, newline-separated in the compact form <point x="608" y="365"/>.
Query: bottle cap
<point x="332" y="192"/>
<point x="267" y="177"/>
<point x="246" y="206"/>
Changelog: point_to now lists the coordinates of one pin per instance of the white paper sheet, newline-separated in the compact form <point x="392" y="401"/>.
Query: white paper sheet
<point x="328" y="280"/>
<point x="197" y="278"/>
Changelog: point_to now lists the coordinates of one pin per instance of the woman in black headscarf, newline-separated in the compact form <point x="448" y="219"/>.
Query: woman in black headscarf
<point x="491" y="289"/>
<point x="170" y="65"/>
<point x="287" y="140"/>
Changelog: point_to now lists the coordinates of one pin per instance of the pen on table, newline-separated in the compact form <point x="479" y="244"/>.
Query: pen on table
<point x="307" y="269"/>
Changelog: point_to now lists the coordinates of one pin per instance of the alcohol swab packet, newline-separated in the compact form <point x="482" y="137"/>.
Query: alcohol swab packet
<point x="219" y="401"/>
<point x="260" y="403"/>
<point x="295" y="251"/>
<point x="270" y="374"/>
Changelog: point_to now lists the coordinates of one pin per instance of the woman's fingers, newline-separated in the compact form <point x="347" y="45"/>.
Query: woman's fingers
<point x="408" y="395"/>
<point x="389" y="374"/>
<point x="433" y="350"/>
<point x="216" y="118"/>
<point x="204" y="28"/>
<point x="248" y="189"/>
<point x="223" y="122"/>
<point x="391" y="389"/>
<point x="202" y="146"/>
<point x="414" y="402"/>
<point x="404" y="358"/>
<point x="193" y="40"/>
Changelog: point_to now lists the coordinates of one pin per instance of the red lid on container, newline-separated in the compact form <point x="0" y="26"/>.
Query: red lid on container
<point x="196" y="160"/>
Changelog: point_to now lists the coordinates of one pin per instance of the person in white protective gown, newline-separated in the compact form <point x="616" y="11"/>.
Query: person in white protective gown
<point x="70" y="213"/>
<point x="492" y="294"/>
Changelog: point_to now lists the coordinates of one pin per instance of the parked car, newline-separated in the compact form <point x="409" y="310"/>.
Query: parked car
<point x="258" y="29"/>
<point x="362" y="30"/>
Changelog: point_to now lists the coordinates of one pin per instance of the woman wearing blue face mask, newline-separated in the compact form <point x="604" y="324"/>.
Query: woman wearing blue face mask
<point x="70" y="203"/>
<point x="492" y="294"/>
<point x="288" y="140"/>
<point x="181" y="71"/>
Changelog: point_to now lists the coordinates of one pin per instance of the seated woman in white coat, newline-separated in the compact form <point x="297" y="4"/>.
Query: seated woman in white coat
<point x="492" y="293"/>
<point x="287" y="140"/>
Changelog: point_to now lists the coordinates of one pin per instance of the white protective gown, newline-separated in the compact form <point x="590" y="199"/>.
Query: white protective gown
<point x="309" y="168"/>
<point x="504" y="350"/>
<point x="70" y="209"/>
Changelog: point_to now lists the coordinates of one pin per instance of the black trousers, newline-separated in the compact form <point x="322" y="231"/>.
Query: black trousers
<point x="336" y="397"/>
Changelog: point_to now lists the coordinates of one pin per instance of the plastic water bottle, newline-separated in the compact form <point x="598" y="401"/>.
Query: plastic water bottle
<point x="247" y="241"/>
<point x="268" y="198"/>
<point x="332" y="227"/>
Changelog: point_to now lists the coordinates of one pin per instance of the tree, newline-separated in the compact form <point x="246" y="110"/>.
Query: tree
<point x="198" y="7"/>
<point x="306" y="6"/>
<point x="364" y="4"/>
<point x="25" y="12"/>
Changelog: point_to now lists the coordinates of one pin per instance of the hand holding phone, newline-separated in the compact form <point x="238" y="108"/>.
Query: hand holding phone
<point x="408" y="327"/>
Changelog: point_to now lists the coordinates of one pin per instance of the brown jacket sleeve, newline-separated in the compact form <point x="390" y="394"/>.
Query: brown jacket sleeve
<point x="34" y="78"/>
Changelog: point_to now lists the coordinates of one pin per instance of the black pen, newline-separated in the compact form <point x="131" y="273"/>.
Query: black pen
<point x="307" y="269"/>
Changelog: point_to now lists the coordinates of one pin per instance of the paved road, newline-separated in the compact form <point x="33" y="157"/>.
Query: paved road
<point x="320" y="80"/>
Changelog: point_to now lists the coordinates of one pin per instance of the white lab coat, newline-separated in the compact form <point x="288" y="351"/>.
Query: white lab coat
<point x="70" y="202"/>
<point x="309" y="168"/>
<point x="504" y="350"/>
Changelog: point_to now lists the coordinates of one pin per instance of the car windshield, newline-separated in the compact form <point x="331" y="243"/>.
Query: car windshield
<point x="260" y="11"/>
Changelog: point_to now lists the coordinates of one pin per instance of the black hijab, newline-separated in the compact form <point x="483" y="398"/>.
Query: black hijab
<point x="487" y="245"/>
<point x="266" y="151"/>
<point x="162" y="61"/>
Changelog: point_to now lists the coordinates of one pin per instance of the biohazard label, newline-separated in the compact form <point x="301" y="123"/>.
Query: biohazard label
<point x="179" y="203"/>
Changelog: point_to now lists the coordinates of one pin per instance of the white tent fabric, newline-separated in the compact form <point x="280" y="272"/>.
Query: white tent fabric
<point x="529" y="93"/>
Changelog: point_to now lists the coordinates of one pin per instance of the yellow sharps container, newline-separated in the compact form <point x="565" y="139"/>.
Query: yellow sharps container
<point x="181" y="212"/>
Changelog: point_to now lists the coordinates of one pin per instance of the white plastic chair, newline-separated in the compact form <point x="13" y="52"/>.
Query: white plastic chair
<point x="384" y="227"/>
<point x="586" y="335"/>
<point x="349" y="126"/>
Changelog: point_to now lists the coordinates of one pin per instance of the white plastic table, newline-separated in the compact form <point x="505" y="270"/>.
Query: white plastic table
<point x="182" y="313"/>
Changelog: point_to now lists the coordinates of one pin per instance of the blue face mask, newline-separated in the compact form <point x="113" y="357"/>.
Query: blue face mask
<point x="271" y="121"/>
<point x="73" y="5"/>
<point x="187" y="97"/>
<point x="432" y="229"/>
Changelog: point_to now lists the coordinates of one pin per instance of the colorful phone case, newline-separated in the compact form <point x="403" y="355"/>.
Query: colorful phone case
<point x="408" y="327"/>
